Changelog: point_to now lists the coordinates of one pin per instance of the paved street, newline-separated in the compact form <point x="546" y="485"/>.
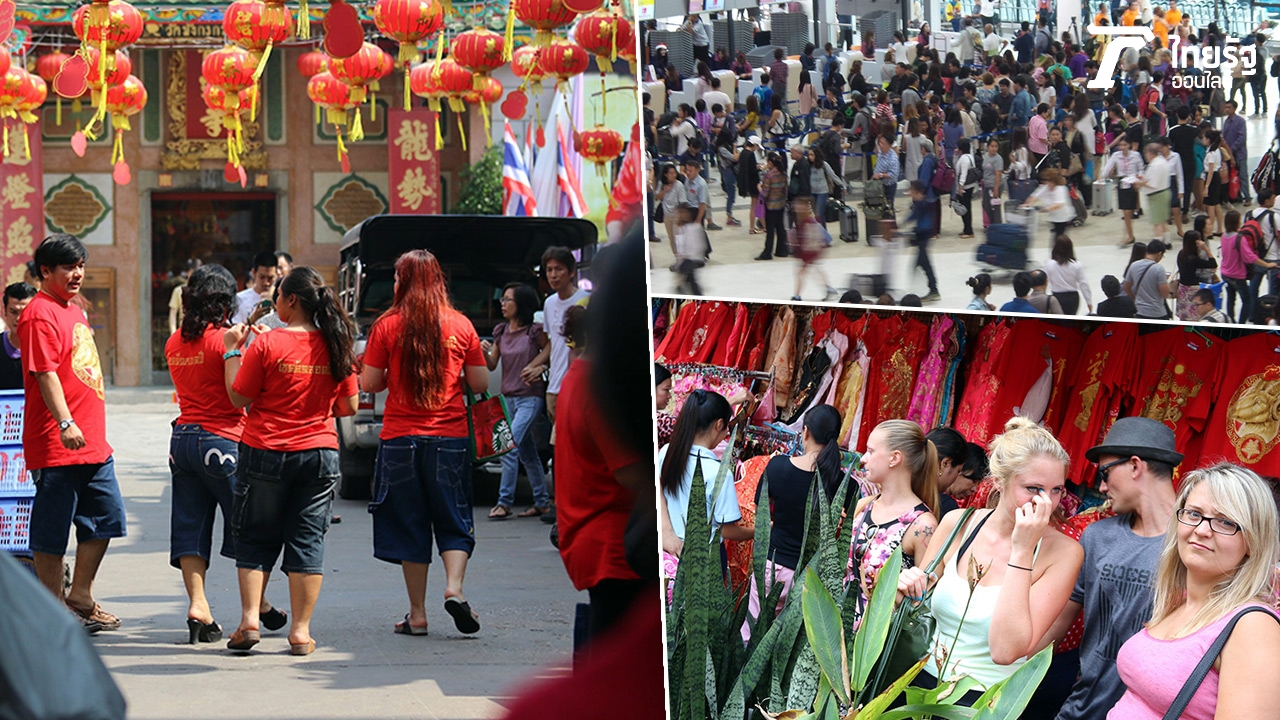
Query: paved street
<point x="360" y="669"/>
<point x="733" y="272"/>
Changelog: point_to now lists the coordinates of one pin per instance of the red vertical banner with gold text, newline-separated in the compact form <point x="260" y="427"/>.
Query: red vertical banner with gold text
<point x="413" y="162"/>
<point x="21" y="199"/>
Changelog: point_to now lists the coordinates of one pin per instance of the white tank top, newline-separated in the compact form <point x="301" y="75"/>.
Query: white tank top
<point x="972" y="652"/>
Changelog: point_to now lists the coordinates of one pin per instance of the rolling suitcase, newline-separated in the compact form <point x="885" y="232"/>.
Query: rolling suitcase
<point x="872" y="286"/>
<point x="1104" y="197"/>
<point x="848" y="223"/>
<point x="1020" y="190"/>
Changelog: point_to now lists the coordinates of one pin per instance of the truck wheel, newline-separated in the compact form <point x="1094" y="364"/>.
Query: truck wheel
<point x="356" y="466"/>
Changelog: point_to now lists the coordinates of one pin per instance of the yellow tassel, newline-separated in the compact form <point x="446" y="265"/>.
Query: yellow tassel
<point x="262" y="63"/>
<point x="342" y="148"/>
<point x="117" y="148"/>
<point x="440" y="43"/>
<point x="58" y="112"/>
<point x="317" y="114"/>
<point x="462" y="132"/>
<point x="408" y="54"/>
<point x="304" y="20"/>
<point x="439" y="137"/>
<point x="373" y="105"/>
<point x="613" y="56"/>
<point x="77" y="107"/>
<point x="357" y="127"/>
<point x="406" y="87"/>
<point x="448" y="7"/>
<point x="509" y="40"/>
<point x="488" y="131"/>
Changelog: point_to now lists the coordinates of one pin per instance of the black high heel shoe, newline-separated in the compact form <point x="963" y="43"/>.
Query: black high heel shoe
<point x="201" y="632"/>
<point x="273" y="619"/>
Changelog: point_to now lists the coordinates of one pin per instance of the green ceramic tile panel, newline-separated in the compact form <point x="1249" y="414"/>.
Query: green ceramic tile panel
<point x="152" y="124"/>
<point x="273" y="87"/>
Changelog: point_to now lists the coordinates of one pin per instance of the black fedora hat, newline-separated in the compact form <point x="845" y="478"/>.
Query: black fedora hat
<point x="1143" y="437"/>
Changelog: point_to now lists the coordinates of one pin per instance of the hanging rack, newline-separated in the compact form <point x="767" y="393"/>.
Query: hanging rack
<point x="719" y="371"/>
<point x="1193" y="329"/>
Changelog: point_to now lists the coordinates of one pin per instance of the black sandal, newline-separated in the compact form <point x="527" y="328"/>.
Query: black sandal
<point x="273" y="619"/>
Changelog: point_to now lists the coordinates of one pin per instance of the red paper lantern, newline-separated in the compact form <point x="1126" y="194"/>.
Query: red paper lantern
<point x="34" y="94"/>
<point x="333" y="95"/>
<point x="369" y="65"/>
<point x="604" y="34"/>
<point x="563" y="59"/>
<point x="117" y="70"/>
<point x="121" y="27"/>
<point x="13" y="88"/>
<point x="313" y="63"/>
<point x="247" y="24"/>
<point x="408" y="22"/>
<point x="601" y="146"/>
<point x="524" y="63"/>
<point x="231" y="69"/>
<point x="543" y="16"/>
<point x="489" y="93"/>
<point x="48" y="65"/>
<point x="480" y="51"/>
<point x="453" y="79"/>
<point x="423" y="83"/>
<point x="215" y="98"/>
<point x="126" y="99"/>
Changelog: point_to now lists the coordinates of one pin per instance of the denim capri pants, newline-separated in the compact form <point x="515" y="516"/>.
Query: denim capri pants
<point x="203" y="466"/>
<point x="86" y="496"/>
<point x="422" y="485"/>
<point x="283" y="500"/>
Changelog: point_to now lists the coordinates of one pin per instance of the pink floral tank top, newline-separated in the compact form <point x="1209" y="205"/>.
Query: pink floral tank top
<point x="872" y="546"/>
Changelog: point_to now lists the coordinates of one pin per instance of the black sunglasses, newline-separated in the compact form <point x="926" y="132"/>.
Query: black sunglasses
<point x="1105" y="470"/>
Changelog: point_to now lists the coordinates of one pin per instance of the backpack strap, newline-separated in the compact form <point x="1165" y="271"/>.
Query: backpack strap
<point x="1206" y="663"/>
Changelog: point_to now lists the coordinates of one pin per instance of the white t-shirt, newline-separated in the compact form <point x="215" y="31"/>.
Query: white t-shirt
<point x="991" y="44"/>
<point x="1050" y="195"/>
<point x="988" y="8"/>
<point x="682" y="131"/>
<point x="726" y="508"/>
<point x="553" y="311"/>
<point x="246" y="300"/>
<point x="717" y="97"/>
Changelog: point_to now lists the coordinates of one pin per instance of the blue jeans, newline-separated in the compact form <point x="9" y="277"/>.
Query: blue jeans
<point x="524" y="413"/>
<point x="728" y="183"/>
<point x="283" y="500"/>
<point x="203" y="466"/>
<point x="86" y="496"/>
<point x="1244" y="289"/>
<point x="820" y="207"/>
<point x="422" y="484"/>
<point x="1273" y="281"/>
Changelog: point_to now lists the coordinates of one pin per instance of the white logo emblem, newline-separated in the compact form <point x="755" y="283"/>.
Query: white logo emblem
<point x="1213" y="61"/>
<point x="1123" y="39"/>
<point x="222" y="457"/>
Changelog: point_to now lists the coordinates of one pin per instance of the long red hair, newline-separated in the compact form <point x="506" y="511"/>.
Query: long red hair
<point x="421" y="299"/>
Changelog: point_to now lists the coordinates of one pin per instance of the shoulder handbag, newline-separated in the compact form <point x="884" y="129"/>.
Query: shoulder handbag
<point x="915" y="623"/>
<point x="944" y="178"/>
<point x="489" y="427"/>
<point x="1206" y="663"/>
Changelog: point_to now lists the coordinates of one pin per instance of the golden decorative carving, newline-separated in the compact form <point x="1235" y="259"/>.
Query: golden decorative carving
<point x="183" y="153"/>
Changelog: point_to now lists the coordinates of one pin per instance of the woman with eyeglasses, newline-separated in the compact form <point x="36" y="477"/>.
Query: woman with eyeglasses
<point x="1218" y="559"/>
<point x="1008" y="574"/>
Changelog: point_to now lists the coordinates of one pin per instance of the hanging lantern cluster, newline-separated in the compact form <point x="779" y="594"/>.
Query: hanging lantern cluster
<point x="21" y="93"/>
<point x="257" y="28"/>
<point x="544" y="16"/>
<point x="361" y="72"/>
<point x="105" y="27"/>
<point x="335" y="97"/>
<point x="601" y="146"/>
<point x="122" y="101"/>
<point x="563" y="59"/>
<point x="602" y="34"/>
<point x="408" y="22"/>
<point x="230" y="89"/>
<point x="422" y="82"/>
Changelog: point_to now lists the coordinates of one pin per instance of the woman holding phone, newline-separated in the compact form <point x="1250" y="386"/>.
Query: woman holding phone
<point x="297" y="378"/>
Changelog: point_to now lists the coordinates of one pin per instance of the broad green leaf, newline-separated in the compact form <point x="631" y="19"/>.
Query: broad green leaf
<point x="1009" y="697"/>
<point x="882" y="701"/>
<point x="951" y="692"/>
<point x="826" y="634"/>
<point x="950" y="712"/>
<point x="869" y="643"/>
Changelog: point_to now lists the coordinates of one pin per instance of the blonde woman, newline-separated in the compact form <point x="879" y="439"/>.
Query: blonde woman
<point x="903" y="465"/>
<point x="1218" y="558"/>
<point x="1022" y="570"/>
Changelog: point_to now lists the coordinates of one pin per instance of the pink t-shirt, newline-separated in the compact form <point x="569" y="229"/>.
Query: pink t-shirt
<point x="1155" y="670"/>
<point x="1237" y="252"/>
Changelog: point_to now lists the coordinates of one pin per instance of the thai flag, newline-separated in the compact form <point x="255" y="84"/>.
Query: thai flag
<point x="572" y="203"/>
<point x="517" y="193"/>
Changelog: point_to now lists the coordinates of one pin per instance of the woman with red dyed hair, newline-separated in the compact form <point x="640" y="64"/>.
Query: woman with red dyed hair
<point x="422" y="351"/>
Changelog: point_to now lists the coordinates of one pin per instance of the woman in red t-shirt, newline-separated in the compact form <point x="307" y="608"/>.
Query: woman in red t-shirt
<point x="297" y="378"/>
<point x="422" y="351"/>
<point x="203" y="449"/>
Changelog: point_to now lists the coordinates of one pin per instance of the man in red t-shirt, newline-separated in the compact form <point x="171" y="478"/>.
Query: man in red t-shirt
<point x="597" y="479"/>
<point x="64" y="434"/>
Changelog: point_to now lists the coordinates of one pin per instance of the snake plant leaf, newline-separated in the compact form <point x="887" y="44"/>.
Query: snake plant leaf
<point x="869" y="643"/>
<point x="700" y="566"/>
<point x="710" y="688"/>
<point x="881" y="702"/>
<point x="1009" y="697"/>
<point x="805" y="678"/>
<point x="764" y="528"/>
<point x="826" y="635"/>
<point x="788" y="627"/>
